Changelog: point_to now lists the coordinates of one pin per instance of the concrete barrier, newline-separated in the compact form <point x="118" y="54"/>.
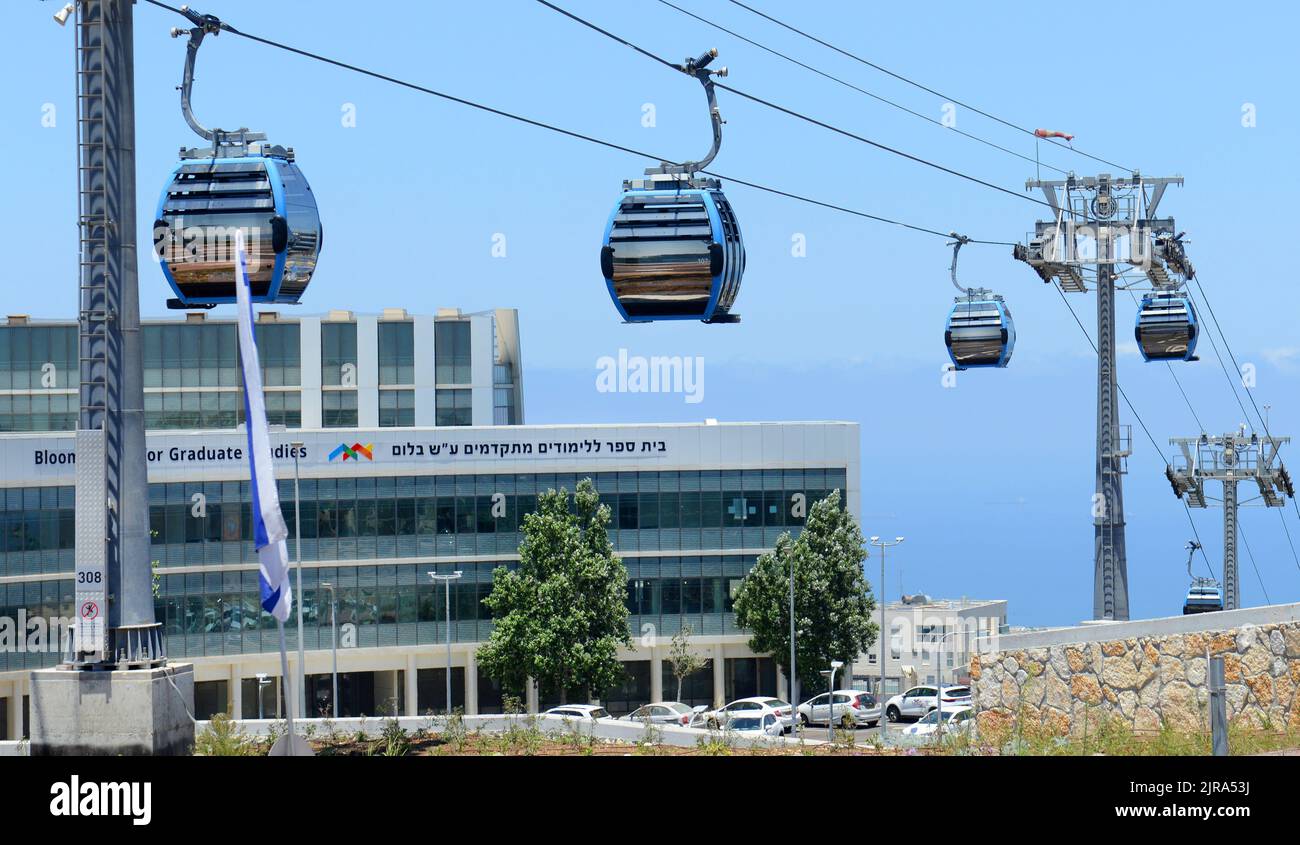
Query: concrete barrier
<point x="14" y="748"/>
<point x="615" y="730"/>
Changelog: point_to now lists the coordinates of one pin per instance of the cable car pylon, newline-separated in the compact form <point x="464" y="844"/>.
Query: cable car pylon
<point x="1103" y="212"/>
<point x="1231" y="459"/>
<point x="672" y="248"/>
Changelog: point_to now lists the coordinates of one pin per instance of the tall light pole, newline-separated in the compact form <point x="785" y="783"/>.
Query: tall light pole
<point x="882" y="545"/>
<point x="446" y="580"/>
<point x="938" y="672"/>
<point x="794" y="692"/>
<point x="334" y="646"/>
<point x="296" y="447"/>
<point x="830" y="699"/>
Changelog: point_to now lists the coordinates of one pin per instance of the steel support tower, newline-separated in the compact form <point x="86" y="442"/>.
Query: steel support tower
<point x="1101" y="223"/>
<point x="1230" y="459"/>
<point x="114" y="592"/>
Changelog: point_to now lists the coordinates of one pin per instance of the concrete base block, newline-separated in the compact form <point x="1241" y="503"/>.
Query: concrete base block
<point x="133" y="712"/>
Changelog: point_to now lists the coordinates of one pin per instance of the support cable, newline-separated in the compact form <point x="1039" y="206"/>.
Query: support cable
<point x="572" y="133"/>
<point x="927" y="89"/>
<point x="861" y="90"/>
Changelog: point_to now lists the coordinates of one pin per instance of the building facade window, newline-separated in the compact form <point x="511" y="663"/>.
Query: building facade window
<point x="191" y="355"/>
<point x="279" y="350"/>
<point x="38" y="412"/>
<point x="504" y="411"/>
<point x="451" y="352"/>
<point x="338" y="354"/>
<point x="396" y="353"/>
<point x="284" y="407"/>
<point x="43" y="361"/>
<point x="409" y="516"/>
<point x="38" y="357"/>
<point x="396" y="408"/>
<point x="348" y="522"/>
<point x="173" y="409"/>
<point x="339" y="409"/>
<point x="454" y="407"/>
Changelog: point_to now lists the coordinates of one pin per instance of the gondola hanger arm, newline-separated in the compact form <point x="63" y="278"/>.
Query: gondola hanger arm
<point x="203" y="25"/>
<point x="958" y="242"/>
<point x="1191" y="547"/>
<point x="698" y="67"/>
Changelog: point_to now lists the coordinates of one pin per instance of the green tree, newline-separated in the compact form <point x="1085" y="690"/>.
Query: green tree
<point x="683" y="660"/>
<point x="560" y="616"/>
<point x="832" y="599"/>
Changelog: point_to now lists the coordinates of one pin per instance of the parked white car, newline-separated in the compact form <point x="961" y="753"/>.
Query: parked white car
<point x="756" y="721"/>
<point x="918" y="701"/>
<point x="662" y="713"/>
<point x="593" y="712"/>
<point x="958" y="721"/>
<point x="837" y="706"/>
<point x="718" y="718"/>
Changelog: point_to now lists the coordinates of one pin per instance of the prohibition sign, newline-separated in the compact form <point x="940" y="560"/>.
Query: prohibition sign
<point x="89" y="610"/>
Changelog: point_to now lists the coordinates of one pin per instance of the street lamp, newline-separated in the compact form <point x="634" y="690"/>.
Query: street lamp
<point x="446" y="580"/>
<point x="938" y="672"/>
<point x="794" y="692"/>
<point x="882" y="545"/>
<point x="334" y="645"/>
<point x="830" y="699"/>
<point x="296" y="447"/>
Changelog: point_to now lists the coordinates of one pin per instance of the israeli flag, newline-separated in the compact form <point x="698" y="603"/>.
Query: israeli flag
<point x="269" y="530"/>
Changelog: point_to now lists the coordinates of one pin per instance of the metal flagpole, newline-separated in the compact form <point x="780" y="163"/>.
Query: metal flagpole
<point x="286" y="693"/>
<point x="794" y="672"/>
<point x="269" y="529"/>
<point x="297" y="530"/>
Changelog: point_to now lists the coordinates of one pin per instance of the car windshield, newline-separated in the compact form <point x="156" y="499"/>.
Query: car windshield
<point x="678" y="707"/>
<point x="600" y="713"/>
<point x="957" y="692"/>
<point x="775" y="703"/>
<point x="745" y="723"/>
<point x="931" y="718"/>
<point x="867" y="700"/>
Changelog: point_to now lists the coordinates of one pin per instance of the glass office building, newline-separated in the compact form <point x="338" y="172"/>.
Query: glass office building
<point x="409" y="492"/>
<point x="337" y="370"/>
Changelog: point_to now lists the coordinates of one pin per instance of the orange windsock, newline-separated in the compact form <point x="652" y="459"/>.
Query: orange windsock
<point x="1051" y="133"/>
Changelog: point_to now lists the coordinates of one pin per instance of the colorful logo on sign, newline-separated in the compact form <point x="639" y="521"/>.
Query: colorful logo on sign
<point x="355" y="451"/>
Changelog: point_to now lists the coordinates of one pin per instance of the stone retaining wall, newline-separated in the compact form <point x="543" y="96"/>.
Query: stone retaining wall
<point x="1145" y="681"/>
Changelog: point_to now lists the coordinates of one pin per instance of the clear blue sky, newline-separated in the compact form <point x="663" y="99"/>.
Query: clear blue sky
<point x="990" y="481"/>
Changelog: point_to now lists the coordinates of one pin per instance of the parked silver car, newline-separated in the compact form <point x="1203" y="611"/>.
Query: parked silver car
<point x="594" y="712"/>
<point x="918" y="701"/>
<point x="662" y="713"/>
<point x="840" y="706"/>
